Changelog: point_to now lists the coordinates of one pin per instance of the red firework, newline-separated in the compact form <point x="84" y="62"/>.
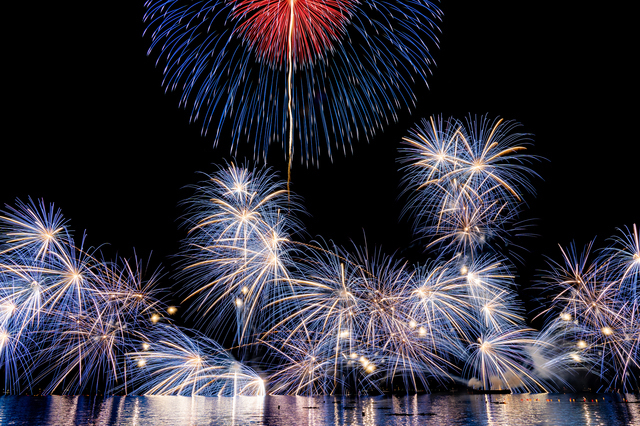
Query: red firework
<point x="265" y="26"/>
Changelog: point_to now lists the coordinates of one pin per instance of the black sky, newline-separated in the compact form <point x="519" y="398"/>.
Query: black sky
<point x="90" y="129"/>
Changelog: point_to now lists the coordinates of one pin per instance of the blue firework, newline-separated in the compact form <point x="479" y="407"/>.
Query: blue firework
<point x="67" y="318"/>
<point x="314" y="74"/>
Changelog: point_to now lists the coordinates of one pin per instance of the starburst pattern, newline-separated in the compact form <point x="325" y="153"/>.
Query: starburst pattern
<point x="317" y="317"/>
<point x="237" y="255"/>
<point x="595" y="309"/>
<point x="69" y="321"/>
<point x="466" y="180"/>
<point x="168" y="362"/>
<point x="314" y="74"/>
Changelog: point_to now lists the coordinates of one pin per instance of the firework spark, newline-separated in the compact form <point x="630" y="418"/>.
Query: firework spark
<point x="595" y="309"/>
<point x="466" y="180"/>
<point x="325" y="319"/>
<point x="168" y="362"/>
<point x="239" y="247"/>
<point x="324" y="72"/>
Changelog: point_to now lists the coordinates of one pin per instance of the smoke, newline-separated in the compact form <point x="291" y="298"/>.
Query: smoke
<point x="474" y="383"/>
<point x="540" y="363"/>
<point x="510" y="380"/>
<point x="496" y="383"/>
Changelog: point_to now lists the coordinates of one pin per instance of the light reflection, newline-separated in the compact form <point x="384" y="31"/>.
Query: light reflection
<point x="62" y="410"/>
<point x="105" y="412"/>
<point x="634" y="408"/>
<point x="441" y="409"/>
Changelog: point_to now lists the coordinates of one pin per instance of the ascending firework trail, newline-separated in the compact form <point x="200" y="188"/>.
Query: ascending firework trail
<point x="343" y="68"/>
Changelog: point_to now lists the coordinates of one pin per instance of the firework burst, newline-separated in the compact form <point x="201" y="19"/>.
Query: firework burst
<point x="501" y="359"/>
<point x="168" y="362"/>
<point x="595" y="309"/>
<point x="361" y="326"/>
<point x="320" y="72"/>
<point x="324" y="319"/>
<point x="66" y="317"/>
<point x="465" y="180"/>
<point x="238" y="250"/>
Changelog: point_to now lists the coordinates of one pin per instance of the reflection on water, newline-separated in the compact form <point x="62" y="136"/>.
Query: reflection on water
<point x="552" y="409"/>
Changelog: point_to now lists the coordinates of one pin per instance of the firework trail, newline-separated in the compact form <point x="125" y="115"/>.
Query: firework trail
<point x="594" y="310"/>
<point x="168" y="362"/>
<point x="71" y="323"/>
<point x="465" y="180"/>
<point x="238" y="251"/>
<point x="501" y="359"/>
<point x="320" y="71"/>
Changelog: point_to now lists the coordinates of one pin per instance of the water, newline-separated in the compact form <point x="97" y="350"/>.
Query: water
<point x="417" y="410"/>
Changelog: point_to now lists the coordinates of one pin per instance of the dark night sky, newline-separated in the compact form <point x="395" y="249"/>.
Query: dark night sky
<point x="91" y="130"/>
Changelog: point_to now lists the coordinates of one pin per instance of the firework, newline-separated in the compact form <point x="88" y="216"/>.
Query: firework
<point x="465" y="180"/>
<point x="490" y="289"/>
<point x="32" y="229"/>
<point x="239" y="246"/>
<point x="318" y="72"/>
<point x="441" y="308"/>
<point x="392" y="337"/>
<point x="594" y="309"/>
<point x="66" y="317"/>
<point x="15" y="349"/>
<point x="168" y="362"/>
<point x="501" y="360"/>
<point x="365" y="322"/>
<point x="354" y="324"/>
<point x="325" y="319"/>
<point x="307" y="364"/>
<point x="87" y="347"/>
<point x="624" y="257"/>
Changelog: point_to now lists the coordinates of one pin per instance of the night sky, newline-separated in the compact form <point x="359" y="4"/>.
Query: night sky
<point x="90" y="128"/>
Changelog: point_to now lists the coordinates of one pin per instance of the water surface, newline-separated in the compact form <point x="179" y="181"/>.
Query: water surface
<point x="437" y="409"/>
